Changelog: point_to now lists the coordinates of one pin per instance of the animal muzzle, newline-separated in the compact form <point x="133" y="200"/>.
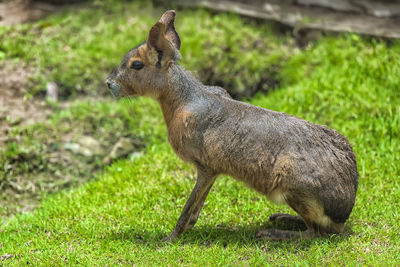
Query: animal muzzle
<point x="114" y="87"/>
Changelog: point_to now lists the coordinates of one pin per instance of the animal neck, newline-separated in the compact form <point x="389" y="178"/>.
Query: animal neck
<point x="181" y="88"/>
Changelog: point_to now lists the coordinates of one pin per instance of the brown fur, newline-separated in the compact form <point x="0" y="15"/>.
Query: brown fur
<point x="289" y="160"/>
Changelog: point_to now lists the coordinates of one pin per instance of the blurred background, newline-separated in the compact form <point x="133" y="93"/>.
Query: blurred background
<point x="59" y="127"/>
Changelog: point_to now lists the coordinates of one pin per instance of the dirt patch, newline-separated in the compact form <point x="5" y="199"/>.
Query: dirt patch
<point x="14" y="12"/>
<point x="20" y="11"/>
<point x="15" y="107"/>
<point x="40" y="155"/>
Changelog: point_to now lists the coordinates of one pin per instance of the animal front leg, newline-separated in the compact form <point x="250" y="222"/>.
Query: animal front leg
<point x="203" y="185"/>
<point x="196" y="212"/>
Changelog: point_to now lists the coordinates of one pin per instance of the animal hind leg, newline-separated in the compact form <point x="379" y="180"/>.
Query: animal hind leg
<point x="278" y="235"/>
<point x="286" y="218"/>
<point x="311" y="213"/>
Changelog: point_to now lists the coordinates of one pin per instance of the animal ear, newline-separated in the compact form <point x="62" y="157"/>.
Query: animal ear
<point x="168" y="19"/>
<point x="164" y="38"/>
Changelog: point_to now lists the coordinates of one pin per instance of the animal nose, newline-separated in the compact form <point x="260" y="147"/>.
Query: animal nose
<point x="108" y="84"/>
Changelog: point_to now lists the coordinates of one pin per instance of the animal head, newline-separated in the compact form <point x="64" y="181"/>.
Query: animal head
<point x="143" y="70"/>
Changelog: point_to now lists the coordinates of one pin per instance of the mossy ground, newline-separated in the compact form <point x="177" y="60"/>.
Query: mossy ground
<point x="349" y="83"/>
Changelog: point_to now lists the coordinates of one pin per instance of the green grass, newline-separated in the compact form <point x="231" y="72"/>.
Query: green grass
<point x="348" y="83"/>
<point x="77" y="49"/>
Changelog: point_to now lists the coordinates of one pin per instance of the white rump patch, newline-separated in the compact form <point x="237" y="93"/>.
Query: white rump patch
<point x="277" y="197"/>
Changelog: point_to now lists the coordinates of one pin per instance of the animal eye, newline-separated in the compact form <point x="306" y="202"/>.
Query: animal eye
<point x="137" y="65"/>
